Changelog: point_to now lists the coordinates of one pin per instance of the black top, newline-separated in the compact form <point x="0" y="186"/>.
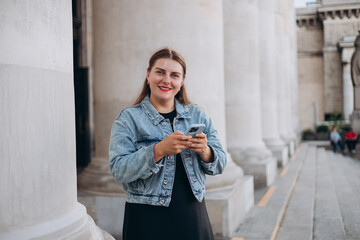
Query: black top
<point x="185" y="218"/>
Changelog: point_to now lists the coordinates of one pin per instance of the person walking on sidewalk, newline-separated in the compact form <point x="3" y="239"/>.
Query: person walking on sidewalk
<point x="161" y="169"/>
<point x="351" y="140"/>
<point x="335" y="140"/>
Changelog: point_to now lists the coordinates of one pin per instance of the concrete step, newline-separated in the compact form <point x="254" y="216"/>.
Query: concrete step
<point x="348" y="198"/>
<point x="264" y="218"/>
<point x="352" y="168"/>
<point x="298" y="218"/>
<point x="328" y="223"/>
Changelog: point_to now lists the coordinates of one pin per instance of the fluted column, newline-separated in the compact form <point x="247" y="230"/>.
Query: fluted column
<point x="294" y="88"/>
<point x="283" y="72"/>
<point x="269" y="88"/>
<point x="243" y="100"/>
<point x="126" y="33"/>
<point x="37" y="140"/>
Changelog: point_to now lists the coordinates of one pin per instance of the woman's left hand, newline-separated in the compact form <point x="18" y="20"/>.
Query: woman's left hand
<point x="199" y="144"/>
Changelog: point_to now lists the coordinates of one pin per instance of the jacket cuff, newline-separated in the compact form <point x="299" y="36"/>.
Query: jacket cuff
<point x="150" y="160"/>
<point x="211" y="166"/>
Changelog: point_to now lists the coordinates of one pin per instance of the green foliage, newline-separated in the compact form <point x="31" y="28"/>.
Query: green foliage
<point x="337" y="120"/>
<point x="308" y="133"/>
<point x="322" y="129"/>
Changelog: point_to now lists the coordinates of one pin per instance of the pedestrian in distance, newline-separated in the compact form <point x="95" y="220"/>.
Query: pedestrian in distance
<point x="161" y="167"/>
<point x="351" y="140"/>
<point x="335" y="140"/>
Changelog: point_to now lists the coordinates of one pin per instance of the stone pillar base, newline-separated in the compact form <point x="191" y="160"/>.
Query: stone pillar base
<point x="264" y="172"/>
<point x="227" y="207"/>
<point x="76" y="225"/>
<point x="106" y="210"/>
<point x="279" y="150"/>
<point x="281" y="155"/>
<point x="291" y="145"/>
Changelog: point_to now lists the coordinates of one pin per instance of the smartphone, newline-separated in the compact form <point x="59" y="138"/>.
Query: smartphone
<point x="194" y="129"/>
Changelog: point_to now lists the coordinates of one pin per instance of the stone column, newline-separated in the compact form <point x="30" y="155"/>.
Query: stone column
<point x="283" y="72"/>
<point x="294" y="86"/>
<point x="125" y="35"/>
<point x="269" y="88"/>
<point x="347" y="49"/>
<point x="37" y="141"/>
<point x="243" y="101"/>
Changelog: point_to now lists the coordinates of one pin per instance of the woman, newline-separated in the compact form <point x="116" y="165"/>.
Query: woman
<point x="161" y="169"/>
<point x="351" y="140"/>
<point x="335" y="140"/>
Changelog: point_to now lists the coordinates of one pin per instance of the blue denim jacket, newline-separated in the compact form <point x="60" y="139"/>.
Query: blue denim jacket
<point x="133" y="136"/>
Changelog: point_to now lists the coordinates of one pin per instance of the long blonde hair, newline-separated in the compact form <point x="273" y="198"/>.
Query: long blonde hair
<point x="181" y="96"/>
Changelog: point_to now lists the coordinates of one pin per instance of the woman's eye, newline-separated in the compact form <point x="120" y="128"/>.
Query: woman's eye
<point x="176" y="76"/>
<point x="159" y="72"/>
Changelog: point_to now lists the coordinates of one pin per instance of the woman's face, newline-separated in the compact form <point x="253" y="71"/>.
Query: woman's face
<point x="165" y="80"/>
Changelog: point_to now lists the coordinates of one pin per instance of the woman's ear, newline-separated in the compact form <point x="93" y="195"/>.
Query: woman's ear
<point x="147" y="76"/>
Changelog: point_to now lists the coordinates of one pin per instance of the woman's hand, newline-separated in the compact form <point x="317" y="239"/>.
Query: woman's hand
<point x="172" y="144"/>
<point x="199" y="144"/>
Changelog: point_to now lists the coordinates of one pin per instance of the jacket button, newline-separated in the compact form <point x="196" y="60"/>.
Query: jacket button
<point x="162" y="202"/>
<point x="164" y="123"/>
<point x="169" y="157"/>
<point x="165" y="181"/>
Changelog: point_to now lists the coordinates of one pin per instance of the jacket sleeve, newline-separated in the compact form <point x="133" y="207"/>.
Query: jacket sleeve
<point x="127" y="163"/>
<point x="219" y="155"/>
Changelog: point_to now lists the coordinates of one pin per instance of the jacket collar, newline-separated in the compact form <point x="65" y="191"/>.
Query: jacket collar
<point x="181" y="110"/>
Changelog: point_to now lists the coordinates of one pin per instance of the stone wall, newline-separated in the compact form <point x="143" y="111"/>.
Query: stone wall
<point x="320" y="29"/>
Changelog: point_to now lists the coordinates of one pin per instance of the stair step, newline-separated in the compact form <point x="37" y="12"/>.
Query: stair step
<point x="263" y="220"/>
<point x="328" y="222"/>
<point x="352" y="168"/>
<point x="298" y="219"/>
<point x="349" y="200"/>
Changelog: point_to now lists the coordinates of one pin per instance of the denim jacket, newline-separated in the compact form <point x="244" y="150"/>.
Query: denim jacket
<point x="133" y="136"/>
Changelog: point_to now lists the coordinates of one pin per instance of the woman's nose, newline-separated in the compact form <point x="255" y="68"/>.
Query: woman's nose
<point x="167" y="78"/>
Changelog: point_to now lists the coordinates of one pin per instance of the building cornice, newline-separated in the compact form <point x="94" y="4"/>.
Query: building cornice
<point x="315" y="16"/>
<point x="340" y="11"/>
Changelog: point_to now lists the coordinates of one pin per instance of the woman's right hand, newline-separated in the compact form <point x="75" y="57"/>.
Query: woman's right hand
<point x="172" y="144"/>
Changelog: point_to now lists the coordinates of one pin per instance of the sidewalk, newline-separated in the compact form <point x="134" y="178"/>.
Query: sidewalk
<point x="316" y="196"/>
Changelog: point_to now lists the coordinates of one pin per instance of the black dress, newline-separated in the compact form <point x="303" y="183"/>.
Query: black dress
<point x="184" y="219"/>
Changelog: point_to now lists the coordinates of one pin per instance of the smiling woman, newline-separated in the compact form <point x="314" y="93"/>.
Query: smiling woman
<point x="165" y="80"/>
<point x="161" y="168"/>
<point x="165" y="53"/>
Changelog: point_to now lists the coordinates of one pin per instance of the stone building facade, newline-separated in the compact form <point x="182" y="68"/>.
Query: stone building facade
<point x="325" y="40"/>
<point x="241" y="58"/>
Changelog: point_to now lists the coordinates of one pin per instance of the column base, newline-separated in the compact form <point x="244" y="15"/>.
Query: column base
<point x="96" y="178"/>
<point x="281" y="155"/>
<point x="106" y="210"/>
<point x="228" y="207"/>
<point x="264" y="172"/>
<point x="279" y="150"/>
<point x="76" y="225"/>
<point x="290" y="142"/>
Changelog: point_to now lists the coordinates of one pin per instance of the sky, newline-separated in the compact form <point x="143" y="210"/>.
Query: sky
<point x="301" y="3"/>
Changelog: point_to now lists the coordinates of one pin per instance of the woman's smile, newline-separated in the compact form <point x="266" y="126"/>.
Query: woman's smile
<point x="165" y="89"/>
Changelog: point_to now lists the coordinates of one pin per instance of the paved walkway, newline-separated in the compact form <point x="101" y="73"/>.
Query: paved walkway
<point x="315" y="197"/>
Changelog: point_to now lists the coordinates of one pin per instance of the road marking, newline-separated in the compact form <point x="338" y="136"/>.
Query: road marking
<point x="265" y="199"/>
<point x="284" y="171"/>
<point x="238" y="238"/>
